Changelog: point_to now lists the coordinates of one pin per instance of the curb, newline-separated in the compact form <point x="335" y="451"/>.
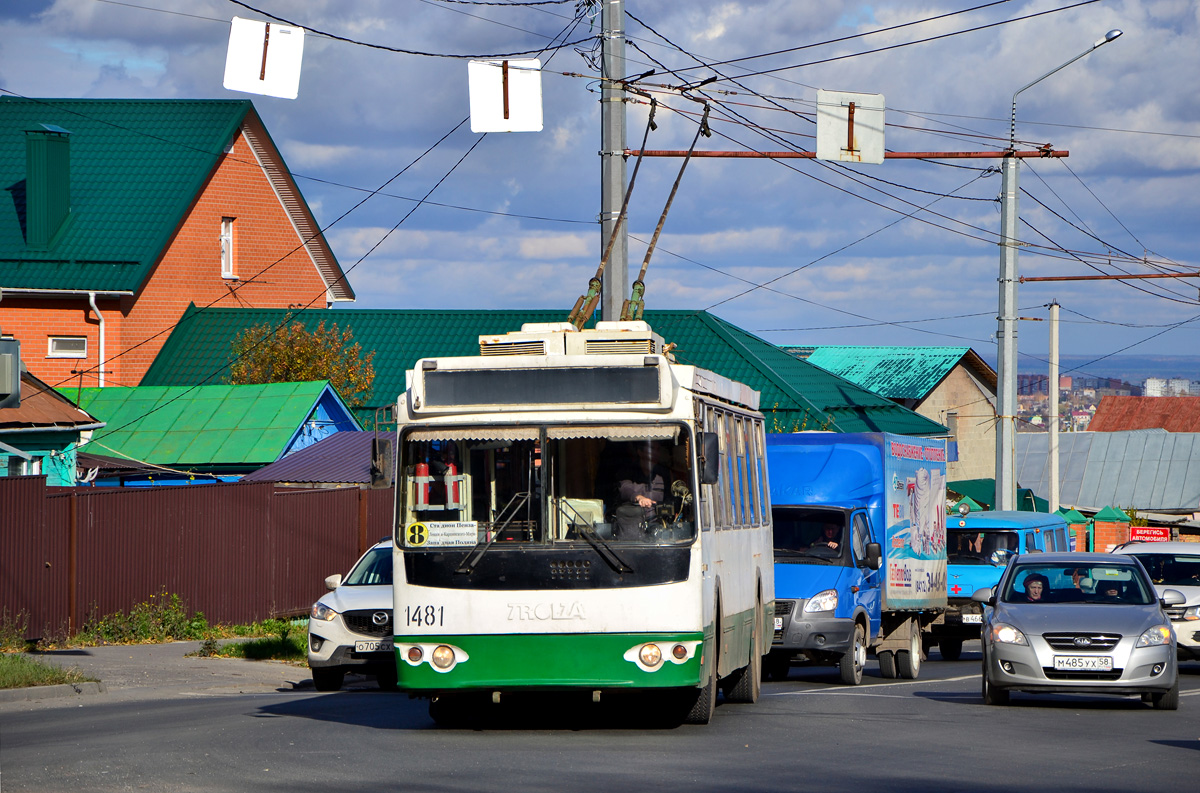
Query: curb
<point x="51" y="692"/>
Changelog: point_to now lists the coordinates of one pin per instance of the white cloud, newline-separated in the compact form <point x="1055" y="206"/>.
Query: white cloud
<point x="366" y="115"/>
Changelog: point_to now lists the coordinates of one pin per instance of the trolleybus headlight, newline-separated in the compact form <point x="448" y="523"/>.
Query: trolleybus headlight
<point x="443" y="657"/>
<point x="322" y="612"/>
<point x="414" y="654"/>
<point x="650" y="655"/>
<point x="679" y="651"/>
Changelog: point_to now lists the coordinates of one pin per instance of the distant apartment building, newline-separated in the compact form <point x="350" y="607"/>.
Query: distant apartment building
<point x="1154" y="387"/>
<point x="1179" y="386"/>
<point x="1032" y="384"/>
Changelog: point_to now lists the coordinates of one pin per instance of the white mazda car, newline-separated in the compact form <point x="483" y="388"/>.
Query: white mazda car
<point x="350" y="627"/>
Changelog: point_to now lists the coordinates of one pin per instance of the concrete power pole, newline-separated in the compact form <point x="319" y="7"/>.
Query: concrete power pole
<point x="1006" y="334"/>
<point x="612" y="158"/>
<point x="1053" y="388"/>
<point x="1006" y="337"/>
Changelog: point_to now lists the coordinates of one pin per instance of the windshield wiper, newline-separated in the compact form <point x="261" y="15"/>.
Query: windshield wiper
<point x="471" y="560"/>
<point x="605" y="550"/>
<point x="597" y="542"/>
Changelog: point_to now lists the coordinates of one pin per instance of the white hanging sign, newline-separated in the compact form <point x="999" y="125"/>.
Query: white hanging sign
<point x="506" y="96"/>
<point x="264" y="58"/>
<point x="850" y="127"/>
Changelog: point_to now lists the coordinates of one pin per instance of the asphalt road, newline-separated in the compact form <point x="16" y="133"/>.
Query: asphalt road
<point x="204" y="724"/>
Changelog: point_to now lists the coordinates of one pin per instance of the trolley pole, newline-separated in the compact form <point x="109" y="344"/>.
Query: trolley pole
<point x="615" y="281"/>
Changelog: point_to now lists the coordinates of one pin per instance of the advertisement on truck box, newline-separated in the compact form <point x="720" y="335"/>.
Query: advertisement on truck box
<point x="916" y="525"/>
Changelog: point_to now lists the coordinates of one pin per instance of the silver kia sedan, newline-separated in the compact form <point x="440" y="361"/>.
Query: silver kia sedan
<point x="1080" y="623"/>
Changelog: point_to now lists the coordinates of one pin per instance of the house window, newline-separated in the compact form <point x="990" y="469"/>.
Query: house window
<point x="228" y="248"/>
<point x="20" y="467"/>
<point x="67" y="347"/>
<point x="952" y="423"/>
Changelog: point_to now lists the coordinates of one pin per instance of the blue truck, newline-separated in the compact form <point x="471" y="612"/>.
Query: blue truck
<point x="978" y="547"/>
<point x="860" y="549"/>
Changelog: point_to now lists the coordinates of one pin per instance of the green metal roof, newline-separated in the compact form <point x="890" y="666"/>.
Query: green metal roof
<point x="893" y="372"/>
<point x="1071" y="515"/>
<point x="136" y="167"/>
<point x="983" y="493"/>
<point x="200" y="425"/>
<point x="1112" y="515"/>
<point x="795" y="395"/>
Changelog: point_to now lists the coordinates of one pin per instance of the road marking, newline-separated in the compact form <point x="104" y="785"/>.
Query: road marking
<point x="864" y="691"/>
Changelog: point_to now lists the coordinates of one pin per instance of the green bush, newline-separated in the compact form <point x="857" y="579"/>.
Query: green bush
<point x="290" y="648"/>
<point x="159" y="619"/>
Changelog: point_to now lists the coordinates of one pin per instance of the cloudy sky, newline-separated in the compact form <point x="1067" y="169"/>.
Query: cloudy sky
<point x="796" y="251"/>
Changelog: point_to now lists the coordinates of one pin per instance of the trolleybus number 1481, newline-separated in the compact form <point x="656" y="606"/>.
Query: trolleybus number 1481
<point x="428" y="616"/>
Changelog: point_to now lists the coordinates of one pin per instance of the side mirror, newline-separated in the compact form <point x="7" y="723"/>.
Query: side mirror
<point x="333" y="581"/>
<point x="874" y="555"/>
<point x="710" y="458"/>
<point x="1172" y="597"/>
<point x="987" y="596"/>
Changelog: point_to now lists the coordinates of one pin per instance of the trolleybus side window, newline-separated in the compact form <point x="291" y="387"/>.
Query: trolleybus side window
<point x="745" y="453"/>
<point x="760" y="469"/>
<point x="730" y="473"/>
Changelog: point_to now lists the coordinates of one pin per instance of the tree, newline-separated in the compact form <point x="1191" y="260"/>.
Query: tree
<point x="267" y="354"/>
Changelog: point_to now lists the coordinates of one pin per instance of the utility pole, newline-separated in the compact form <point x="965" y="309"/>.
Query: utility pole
<point x="612" y="157"/>
<point x="1006" y="333"/>
<point x="1006" y="339"/>
<point x="1053" y="388"/>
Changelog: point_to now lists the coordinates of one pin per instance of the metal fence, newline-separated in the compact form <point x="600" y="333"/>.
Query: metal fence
<point x="236" y="552"/>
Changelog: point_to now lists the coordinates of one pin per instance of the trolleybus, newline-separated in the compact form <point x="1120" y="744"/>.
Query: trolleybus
<point x="576" y="511"/>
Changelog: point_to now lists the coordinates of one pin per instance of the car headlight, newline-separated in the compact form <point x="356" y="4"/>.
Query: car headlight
<point x="1192" y="613"/>
<point x="322" y="612"/>
<point x="1156" y="636"/>
<point x="1007" y="634"/>
<point x="822" y="601"/>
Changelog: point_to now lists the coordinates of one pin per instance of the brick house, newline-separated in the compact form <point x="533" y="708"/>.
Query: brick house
<point x="121" y="213"/>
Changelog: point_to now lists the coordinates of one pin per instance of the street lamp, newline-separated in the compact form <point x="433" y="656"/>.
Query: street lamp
<point x="1006" y="334"/>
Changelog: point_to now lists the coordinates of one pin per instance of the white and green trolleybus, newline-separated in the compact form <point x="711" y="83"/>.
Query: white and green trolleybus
<point x="576" y="511"/>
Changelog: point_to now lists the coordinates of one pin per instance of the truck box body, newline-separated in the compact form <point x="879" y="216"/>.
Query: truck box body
<point x="899" y="480"/>
<point x="883" y="488"/>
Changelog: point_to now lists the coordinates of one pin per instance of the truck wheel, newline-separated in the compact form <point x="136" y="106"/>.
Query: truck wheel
<point x="855" y="658"/>
<point x="951" y="649"/>
<point x="887" y="664"/>
<point x="778" y="665"/>
<point x="328" y="678"/>
<point x="908" y="662"/>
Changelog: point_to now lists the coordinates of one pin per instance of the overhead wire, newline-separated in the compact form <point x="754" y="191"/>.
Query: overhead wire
<point x="890" y="47"/>
<point x="402" y="50"/>
<point x="293" y="312"/>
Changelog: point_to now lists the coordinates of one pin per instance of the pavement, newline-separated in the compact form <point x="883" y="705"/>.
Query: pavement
<point x="160" y="671"/>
